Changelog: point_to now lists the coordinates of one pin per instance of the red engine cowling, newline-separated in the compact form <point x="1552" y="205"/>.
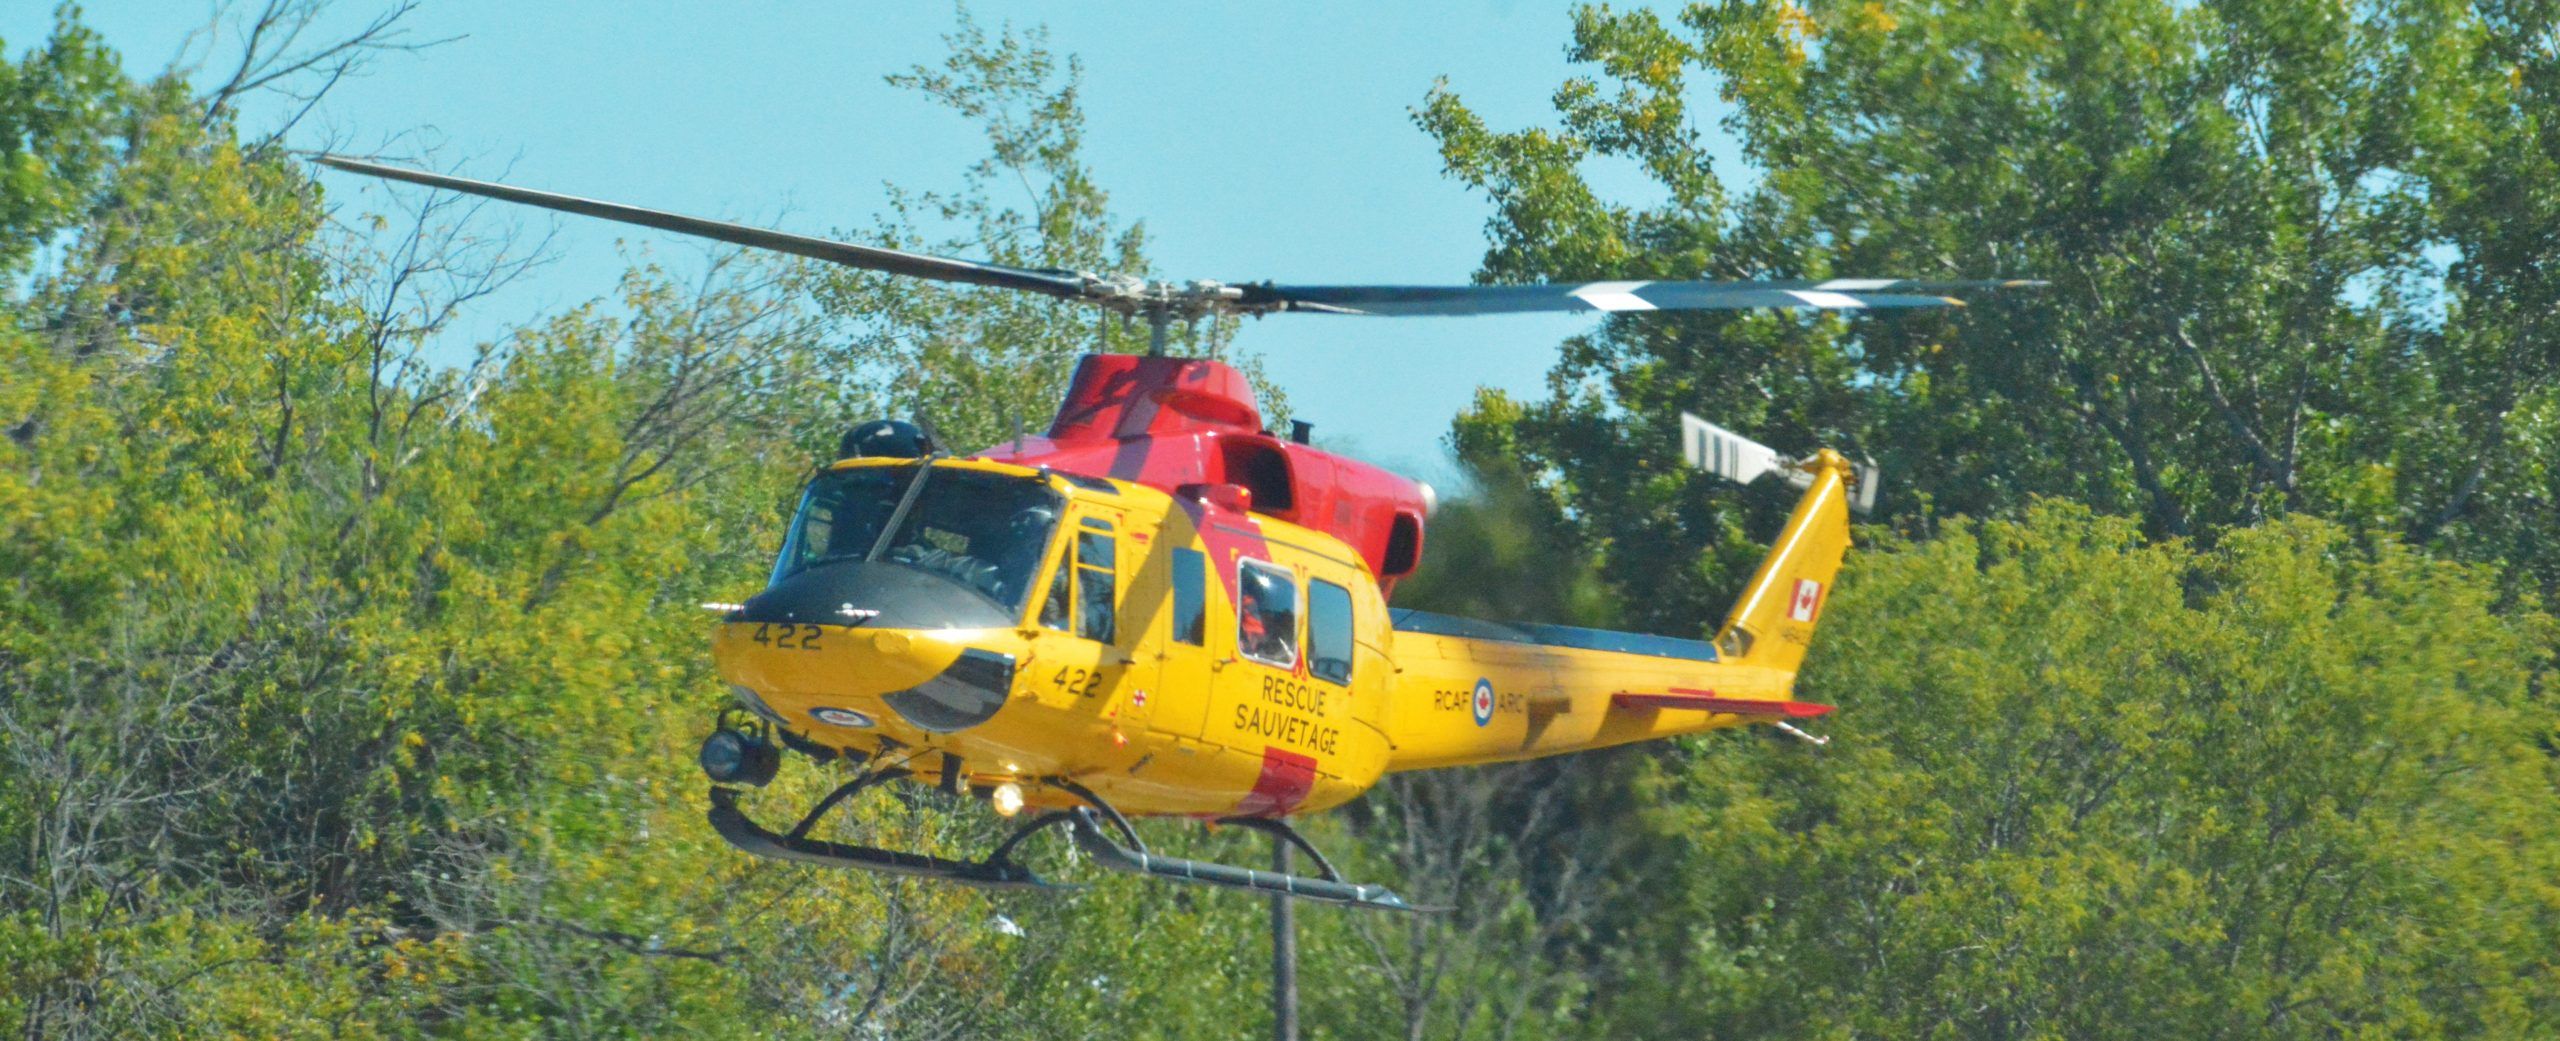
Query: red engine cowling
<point x="1171" y="422"/>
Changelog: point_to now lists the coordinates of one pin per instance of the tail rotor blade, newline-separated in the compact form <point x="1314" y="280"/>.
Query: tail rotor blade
<point x="1729" y="455"/>
<point x="1742" y="460"/>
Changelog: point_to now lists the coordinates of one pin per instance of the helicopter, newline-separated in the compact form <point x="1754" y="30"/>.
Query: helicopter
<point x="1157" y="608"/>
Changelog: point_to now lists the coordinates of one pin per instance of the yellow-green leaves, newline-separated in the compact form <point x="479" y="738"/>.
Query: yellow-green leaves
<point x="2083" y="786"/>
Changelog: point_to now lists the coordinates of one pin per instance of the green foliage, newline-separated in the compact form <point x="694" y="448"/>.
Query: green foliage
<point x="56" y="105"/>
<point x="349" y="694"/>
<point x="1495" y="554"/>
<point x="2296" y="256"/>
<point x="977" y="362"/>
<point x="2286" y="788"/>
<point x="2084" y="786"/>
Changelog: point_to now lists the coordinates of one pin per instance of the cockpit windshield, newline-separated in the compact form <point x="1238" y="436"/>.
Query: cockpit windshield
<point x="984" y="532"/>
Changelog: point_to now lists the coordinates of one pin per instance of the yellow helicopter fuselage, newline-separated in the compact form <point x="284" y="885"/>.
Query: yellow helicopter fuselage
<point x="1179" y="655"/>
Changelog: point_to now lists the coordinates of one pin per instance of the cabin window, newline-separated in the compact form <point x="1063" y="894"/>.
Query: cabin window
<point x="1190" y="596"/>
<point x="1267" y="614"/>
<point x="1329" y="632"/>
<point x="1097" y="594"/>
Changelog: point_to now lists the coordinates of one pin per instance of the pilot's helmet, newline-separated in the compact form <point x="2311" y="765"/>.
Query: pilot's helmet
<point x="884" y="439"/>
<point x="1033" y="520"/>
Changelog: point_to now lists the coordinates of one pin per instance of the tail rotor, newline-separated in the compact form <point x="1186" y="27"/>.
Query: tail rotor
<point x="1773" y="622"/>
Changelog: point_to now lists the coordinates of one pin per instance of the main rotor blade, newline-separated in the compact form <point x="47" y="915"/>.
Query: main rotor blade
<point x="1052" y="282"/>
<point x="1832" y="294"/>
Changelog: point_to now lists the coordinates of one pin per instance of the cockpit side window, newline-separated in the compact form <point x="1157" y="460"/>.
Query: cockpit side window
<point x="1267" y="613"/>
<point x="1053" y="609"/>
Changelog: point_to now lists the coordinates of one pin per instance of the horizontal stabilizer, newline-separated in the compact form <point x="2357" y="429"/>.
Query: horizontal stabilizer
<point x="1679" y="698"/>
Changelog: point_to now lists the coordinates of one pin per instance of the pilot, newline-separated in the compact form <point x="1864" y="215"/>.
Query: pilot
<point x="856" y="507"/>
<point x="1262" y="632"/>
<point x="1250" y="634"/>
<point x="1018" y="550"/>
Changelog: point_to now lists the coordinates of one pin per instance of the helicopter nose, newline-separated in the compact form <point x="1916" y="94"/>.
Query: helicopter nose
<point x="934" y="680"/>
<point x="895" y="637"/>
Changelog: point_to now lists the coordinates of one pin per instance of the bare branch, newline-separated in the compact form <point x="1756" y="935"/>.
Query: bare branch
<point x="273" y="57"/>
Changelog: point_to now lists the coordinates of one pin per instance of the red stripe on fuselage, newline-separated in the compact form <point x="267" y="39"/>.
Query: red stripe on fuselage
<point x="1287" y="778"/>
<point x="1226" y="543"/>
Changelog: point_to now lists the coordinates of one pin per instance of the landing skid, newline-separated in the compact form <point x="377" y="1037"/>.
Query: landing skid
<point x="1330" y="889"/>
<point x="1100" y="831"/>
<point x="997" y="871"/>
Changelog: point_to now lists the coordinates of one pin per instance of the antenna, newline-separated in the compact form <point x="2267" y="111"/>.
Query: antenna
<point x="937" y="447"/>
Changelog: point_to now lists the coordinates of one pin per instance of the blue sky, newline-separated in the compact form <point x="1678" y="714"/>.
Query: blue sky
<point x="1256" y="141"/>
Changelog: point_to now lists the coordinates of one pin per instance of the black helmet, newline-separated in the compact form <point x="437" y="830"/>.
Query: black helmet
<point x="884" y="439"/>
<point x="1034" y="519"/>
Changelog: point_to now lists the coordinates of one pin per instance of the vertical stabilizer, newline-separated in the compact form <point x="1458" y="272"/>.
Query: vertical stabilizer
<point x="1773" y="622"/>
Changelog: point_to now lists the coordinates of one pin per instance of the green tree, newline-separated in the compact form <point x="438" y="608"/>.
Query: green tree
<point x="1514" y="858"/>
<point x="2284" y="788"/>
<point x="353" y="694"/>
<point x="976" y="362"/>
<point x="55" y="137"/>
<point x="2244" y="208"/>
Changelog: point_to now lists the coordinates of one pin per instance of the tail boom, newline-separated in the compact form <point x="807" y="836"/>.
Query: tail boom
<point x="1462" y="698"/>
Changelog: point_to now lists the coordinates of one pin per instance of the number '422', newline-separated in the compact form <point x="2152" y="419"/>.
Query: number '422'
<point x="786" y="636"/>
<point x="1079" y="681"/>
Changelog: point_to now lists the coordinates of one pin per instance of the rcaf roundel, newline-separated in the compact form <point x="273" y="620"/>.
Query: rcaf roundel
<point x="1807" y="601"/>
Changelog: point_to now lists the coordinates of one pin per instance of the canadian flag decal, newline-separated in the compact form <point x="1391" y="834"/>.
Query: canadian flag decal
<point x="1808" y="600"/>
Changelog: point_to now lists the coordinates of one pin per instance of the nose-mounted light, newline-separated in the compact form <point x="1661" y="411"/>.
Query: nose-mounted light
<point x="1007" y="799"/>
<point x="731" y="757"/>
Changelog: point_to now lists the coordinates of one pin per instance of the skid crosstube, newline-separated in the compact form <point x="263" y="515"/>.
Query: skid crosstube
<point x="1098" y="844"/>
<point x="750" y="837"/>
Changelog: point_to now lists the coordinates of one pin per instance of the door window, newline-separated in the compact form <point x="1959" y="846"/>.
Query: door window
<point x="1329" y="632"/>
<point x="1267" y="614"/>
<point x="1190" y="596"/>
